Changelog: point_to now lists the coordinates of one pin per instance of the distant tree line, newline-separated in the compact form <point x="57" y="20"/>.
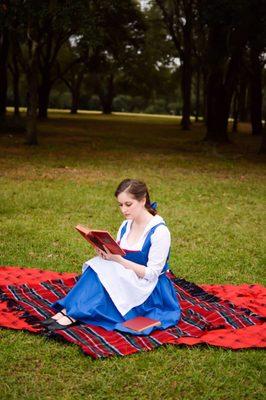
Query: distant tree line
<point x="189" y="57"/>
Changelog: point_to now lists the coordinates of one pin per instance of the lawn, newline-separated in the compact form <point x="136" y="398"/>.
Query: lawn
<point x="213" y="201"/>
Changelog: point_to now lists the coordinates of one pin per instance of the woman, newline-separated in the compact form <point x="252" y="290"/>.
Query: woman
<point x="114" y="288"/>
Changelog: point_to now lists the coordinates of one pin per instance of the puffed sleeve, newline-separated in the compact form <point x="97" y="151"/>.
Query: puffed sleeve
<point x="159" y="250"/>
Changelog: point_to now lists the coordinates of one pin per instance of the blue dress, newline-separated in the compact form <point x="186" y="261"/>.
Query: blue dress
<point x="89" y="302"/>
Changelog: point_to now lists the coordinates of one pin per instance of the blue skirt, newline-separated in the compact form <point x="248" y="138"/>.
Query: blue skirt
<point x="89" y="302"/>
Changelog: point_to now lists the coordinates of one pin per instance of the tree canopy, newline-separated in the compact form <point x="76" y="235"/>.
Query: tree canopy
<point x="183" y="57"/>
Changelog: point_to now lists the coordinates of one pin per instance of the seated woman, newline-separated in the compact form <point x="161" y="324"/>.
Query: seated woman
<point x="114" y="288"/>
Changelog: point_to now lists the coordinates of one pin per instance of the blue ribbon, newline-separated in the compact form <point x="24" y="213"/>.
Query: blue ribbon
<point x="154" y="205"/>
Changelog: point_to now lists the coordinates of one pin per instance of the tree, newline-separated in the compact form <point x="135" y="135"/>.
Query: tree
<point x="242" y="100"/>
<point x="71" y="69"/>
<point x="15" y="70"/>
<point x="257" y="48"/>
<point x="256" y="64"/>
<point x="178" y="16"/>
<point x="4" y="48"/>
<point x="262" y="149"/>
<point x="228" y="24"/>
<point x="32" y="77"/>
<point x="20" y="17"/>
<point x="37" y="24"/>
<point x="102" y="48"/>
<point x="120" y="28"/>
<point x="60" y="20"/>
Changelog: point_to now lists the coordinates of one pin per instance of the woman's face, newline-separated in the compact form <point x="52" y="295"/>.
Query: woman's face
<point x="130" y="207"/>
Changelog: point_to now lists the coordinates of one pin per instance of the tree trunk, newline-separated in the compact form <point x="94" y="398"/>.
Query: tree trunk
<point x="75" y="101"/>
<point x="32" y="77"/>
<point x="217" y="102"/>
<point x="4" y="46"/>
<point x="44" y="94"/>
<point x="186" y="93"/>
<point x="31" y="138"/>
<point x="218" y="106"/>
<point x="16" y="85"/>
<point x="262" y="149"/>
<point x="180" y="30"/>
<point x="76" y="91"/>
<point x="198" y="79"/>
<point x="242" y="99"/>
<point x="187" y="68"/>
<point x="256" y="92"/>
<point x="235" y="112"/>
<point x="222" y="80"/>
<point x="204" y="101"/>
<point x="107" y="106"/>
<point x="107" y="94"/>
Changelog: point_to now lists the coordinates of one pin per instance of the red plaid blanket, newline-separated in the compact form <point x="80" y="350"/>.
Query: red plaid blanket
<point x="220" y="315"/>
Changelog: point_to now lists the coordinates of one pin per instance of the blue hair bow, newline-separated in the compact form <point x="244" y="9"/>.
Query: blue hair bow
<point x="154" y="205"/>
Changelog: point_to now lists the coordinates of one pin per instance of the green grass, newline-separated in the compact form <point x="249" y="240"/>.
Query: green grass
<point x="212" y="199"/>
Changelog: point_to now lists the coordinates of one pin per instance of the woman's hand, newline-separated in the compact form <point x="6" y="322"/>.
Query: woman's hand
<point x="100" y="253"/>
<point x="137" y="268"/>
<point x="109" y="256"/>
<point x="112" y="257"/>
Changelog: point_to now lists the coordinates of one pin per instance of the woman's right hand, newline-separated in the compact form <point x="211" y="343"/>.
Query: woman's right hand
<point x="101" y="253"/>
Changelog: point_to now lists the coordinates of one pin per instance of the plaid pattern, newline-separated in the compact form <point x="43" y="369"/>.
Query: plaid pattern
<point x="205" y="319"/>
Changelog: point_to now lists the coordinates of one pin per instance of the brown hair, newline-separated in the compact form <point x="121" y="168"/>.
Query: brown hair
<point x="138" y="190"/>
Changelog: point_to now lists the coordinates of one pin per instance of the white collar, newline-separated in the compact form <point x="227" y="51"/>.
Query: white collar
<point x="154" y="221"/>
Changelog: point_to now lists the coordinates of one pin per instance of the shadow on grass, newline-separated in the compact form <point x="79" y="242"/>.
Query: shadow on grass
<point x="88" y="135"/>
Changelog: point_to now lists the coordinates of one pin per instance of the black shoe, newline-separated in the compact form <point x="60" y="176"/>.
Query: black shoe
<point x="56" y="326"/>
<point x="49" y="321"/>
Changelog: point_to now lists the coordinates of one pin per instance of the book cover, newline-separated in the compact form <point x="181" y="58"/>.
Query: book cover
<point x="139" y="324"/>
<point x="99" y="239"/>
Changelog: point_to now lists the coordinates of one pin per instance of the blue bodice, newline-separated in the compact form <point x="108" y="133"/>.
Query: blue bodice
<point x="142" y="256"/>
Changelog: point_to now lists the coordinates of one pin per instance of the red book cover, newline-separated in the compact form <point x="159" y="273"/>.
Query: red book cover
<point x="99" y="239"/>
<point x="141" y="323"/>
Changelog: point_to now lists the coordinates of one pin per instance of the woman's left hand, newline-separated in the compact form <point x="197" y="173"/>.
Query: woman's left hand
<point x="111" y="257"/>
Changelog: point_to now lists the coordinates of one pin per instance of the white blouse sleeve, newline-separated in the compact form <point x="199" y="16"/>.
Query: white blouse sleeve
<point x="159" y="250"/>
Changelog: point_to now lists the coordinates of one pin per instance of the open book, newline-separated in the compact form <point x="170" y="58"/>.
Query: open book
<point x="99" y="239"/>
<point x="139" y="324"/>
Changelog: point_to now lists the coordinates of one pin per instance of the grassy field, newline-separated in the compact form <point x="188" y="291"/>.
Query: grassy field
<point x="213" y="201"/>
